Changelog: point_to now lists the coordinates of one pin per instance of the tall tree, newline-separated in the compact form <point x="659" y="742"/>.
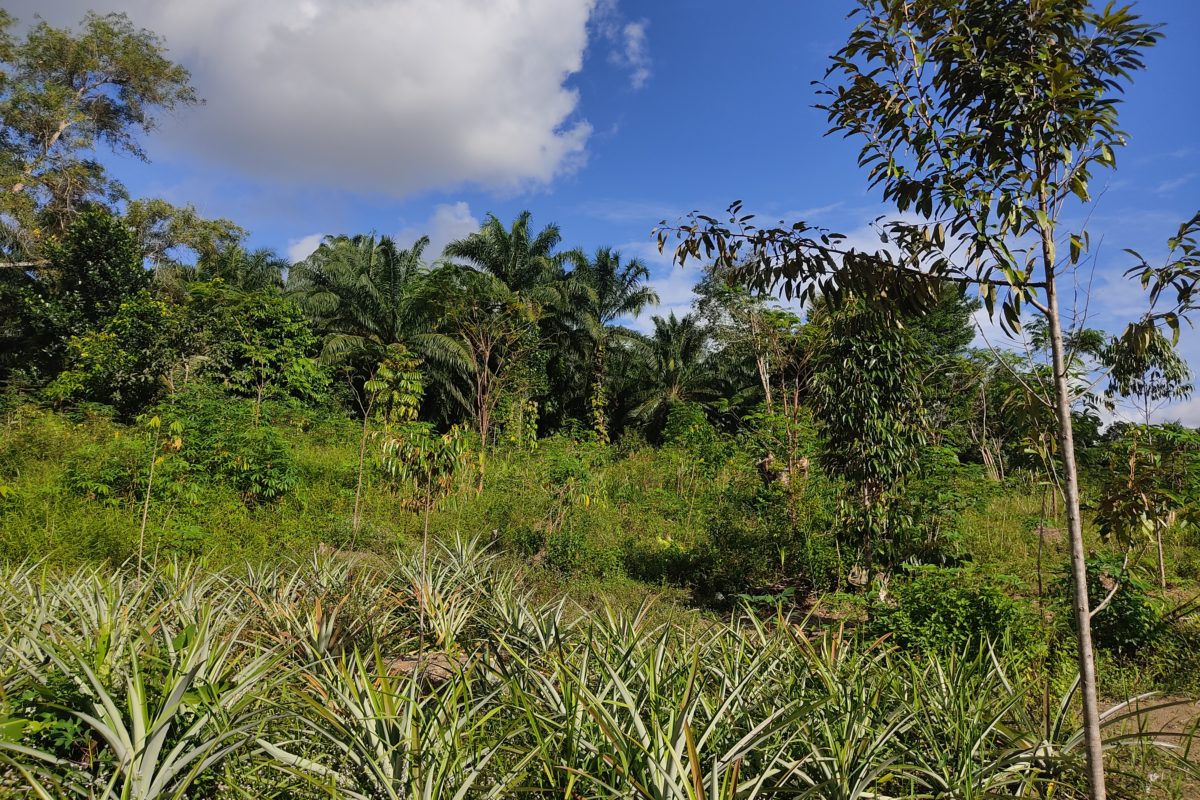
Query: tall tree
<point x="749" y="328"/>
<point x="618" y="289"/>
<point x="94" y="269"/>
<point x="171" y="237"/>
<point x="64" y="94"/>
<point x="496" y="329"/>
<point x="522" y="259"/>
<point x="527" y="262"/>
<point x="260" y="270"/>
<point x="126" y="362"/>
<point x="364" y="294"/>
<point x="986" y="119"/>
<point x="1148" y="375"/>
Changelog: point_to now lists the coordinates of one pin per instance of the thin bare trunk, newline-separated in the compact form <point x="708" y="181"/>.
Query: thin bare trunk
<point x="1162" y="564"/>
<point x="1083" y="622"/>
<point x="356" y="520"/>
<point x="483" y="434"/>
<point x="760" y="362"/>
<point x="424" y="580"/>
<point x="146" y="507"/>
<point x="483" y="356"/>
<point x="1159" y="523"/>
<point x="868" y="537"/>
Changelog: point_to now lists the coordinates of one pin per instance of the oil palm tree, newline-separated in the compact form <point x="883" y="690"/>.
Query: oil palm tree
<point x="674" y="369"/>
<point x="362" y="293"/>
<point x="526" y="262"/>
<point x="368" y="298"/>
<point x="617" y="289"/>
<point x="248" y="270"/>
<point x="522" y="260"/>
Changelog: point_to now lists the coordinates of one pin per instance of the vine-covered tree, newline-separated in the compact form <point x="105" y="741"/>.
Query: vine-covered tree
<point x="868" y="379"/>
<point x="617" y="289"/>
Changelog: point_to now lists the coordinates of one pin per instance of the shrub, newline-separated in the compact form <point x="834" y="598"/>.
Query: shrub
<point x="927" y="516"/>
<point x="1129" y="622"/>
<point x="688" y="428"/>
<point x="113" y="471"/>
<point x="257" y="463"/>
<point x="947" y="610"/>
<point x="224" y="444"/>
<point x="769" y="536"/>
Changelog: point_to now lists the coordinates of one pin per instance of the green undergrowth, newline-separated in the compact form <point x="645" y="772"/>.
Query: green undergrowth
<point x="691" y="519"/>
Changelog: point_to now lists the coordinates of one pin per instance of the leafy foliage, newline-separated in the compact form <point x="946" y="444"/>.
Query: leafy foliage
<point x="869" y="405"/>
<point x="1128" y="622"/>
<point x="954" y="610"/>
<point x="65" y="94"/>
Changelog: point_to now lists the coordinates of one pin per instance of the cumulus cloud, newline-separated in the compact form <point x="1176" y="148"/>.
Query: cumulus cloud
<point x="302" y="248"/>
<point x="449" y="221"/>
<point x="388" y="96"/>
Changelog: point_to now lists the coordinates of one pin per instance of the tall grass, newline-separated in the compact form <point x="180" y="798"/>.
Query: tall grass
<point x="320" y="680"/>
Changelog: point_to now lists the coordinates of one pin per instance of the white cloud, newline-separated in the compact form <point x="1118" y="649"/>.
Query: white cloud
<point x="813" y="212"/>
<point x="673" y="283"/>
<point x="449" y="221"/>
<point x="636" y="53"/>
<point x="1186" y="412"/>
<point x="616" y="210"/>
<point x="302" y="248"/>
<point x="389" y="96"/>
<point x="630" y="48"/>
<point x="1169" y="186"/>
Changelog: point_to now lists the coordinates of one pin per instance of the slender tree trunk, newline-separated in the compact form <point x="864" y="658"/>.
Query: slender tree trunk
<point x="483" y="410"/>
<point x="1162" y="565"/>
<point x="484" y="426"/>
<point x="1158" y="521"/>
<point x="760" y="362"/>
<point x="356" y="519"/>
<point x="424" y="580"/>
<point x="146" y="506"/>
<point x="1083" y="615"/>
<point x="868" y="536"/>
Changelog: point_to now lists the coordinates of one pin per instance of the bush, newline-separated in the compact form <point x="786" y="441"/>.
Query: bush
<point x="257" y="463"/>
<point x="113" y="472"/>
<point x="688" y="428"/>
<point x="762" y="537"/>
<point x="927" y="517"/>
<point x="1129" y="622"/>
<point x="224" y="444"/>
<point x="947" y="610"/>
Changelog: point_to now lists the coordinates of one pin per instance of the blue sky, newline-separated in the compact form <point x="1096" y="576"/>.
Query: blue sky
<point x="603" y="116"/>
